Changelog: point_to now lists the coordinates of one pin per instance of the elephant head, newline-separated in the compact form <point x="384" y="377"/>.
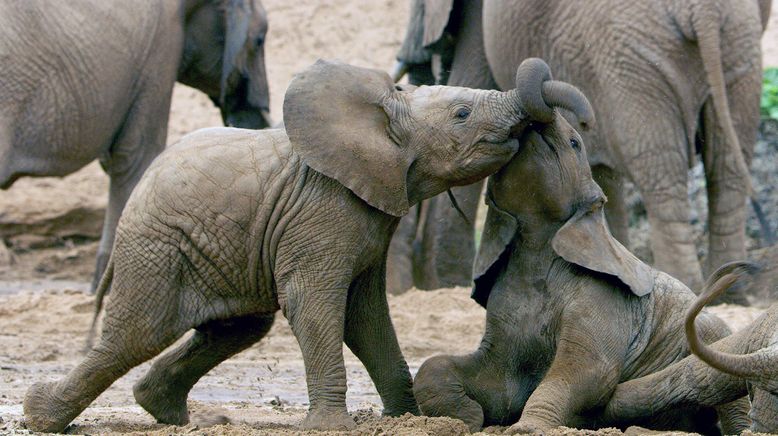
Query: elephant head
<point x="224" y="56"/>
<point x="547" y="192"/>
<point x="396" y="145"/>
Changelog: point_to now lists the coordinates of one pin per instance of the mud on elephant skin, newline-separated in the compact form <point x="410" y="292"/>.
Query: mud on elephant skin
<point x="570" y="311"/>
<point x="667" y="79"/>
<point x="228" y="226"/>
<point x="88" y="79"/>
<point x="739" y="365"/>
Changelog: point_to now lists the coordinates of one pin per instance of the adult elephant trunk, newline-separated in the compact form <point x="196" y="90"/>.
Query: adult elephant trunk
<point x="760" y="367"/>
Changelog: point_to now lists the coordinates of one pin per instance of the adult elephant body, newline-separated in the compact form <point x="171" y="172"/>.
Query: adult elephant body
<point x="84" y="79"/>
<point x="666" y="78"/>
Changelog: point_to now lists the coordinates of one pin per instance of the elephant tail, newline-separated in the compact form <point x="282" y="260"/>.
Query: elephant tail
<point x="102" y="289"/>
<point x="760" y="367"/>
<point x="706" y="23"/>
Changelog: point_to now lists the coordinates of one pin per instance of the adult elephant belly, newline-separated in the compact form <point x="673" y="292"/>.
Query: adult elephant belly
<point x="57" y="121"/>
<point x="646" y="87"/>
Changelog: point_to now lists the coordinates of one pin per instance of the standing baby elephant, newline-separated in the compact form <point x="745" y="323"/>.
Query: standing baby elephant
<point x="570" y="311"/>
<point x="228" y="226"/>
<point x="745" y="363"/>
<point x="92" y="79"/>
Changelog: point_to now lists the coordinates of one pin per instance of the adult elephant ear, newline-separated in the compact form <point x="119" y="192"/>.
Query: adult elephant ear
<point x="237" y="16"/>
<point x="586" y="241"/>
<point x="436" y="16"/>
<point x="335" y="119"/>
<point x="499" y="229"/>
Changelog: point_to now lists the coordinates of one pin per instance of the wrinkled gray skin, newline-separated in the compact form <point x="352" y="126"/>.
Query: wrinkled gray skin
<point x="667" y="78"/>
<point x="92" y="79"/>
<point x="745" y="363"/>
<point x="229" y="226"/>
<point x="570" y="312"/>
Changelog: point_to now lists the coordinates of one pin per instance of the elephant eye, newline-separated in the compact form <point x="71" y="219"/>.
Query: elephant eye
<point x="462" y="113"/>
<point x="575" y="144"/>
<point x="259" y="41"/>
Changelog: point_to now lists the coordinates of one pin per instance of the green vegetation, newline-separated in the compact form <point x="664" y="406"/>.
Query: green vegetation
<point x="769" y="101"/>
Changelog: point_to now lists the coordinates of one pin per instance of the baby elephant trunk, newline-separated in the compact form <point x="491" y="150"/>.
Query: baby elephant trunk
<point x="539" y="94"/>
<point x="760" y="367"/>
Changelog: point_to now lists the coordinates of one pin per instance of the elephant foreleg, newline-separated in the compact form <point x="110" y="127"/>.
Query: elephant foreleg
<point x="142" y="138"/>
<point x="316" y="312"/>
<point x="370" y="336"/>
<point x="164" y="389"/>
<point x="584" y="372"/>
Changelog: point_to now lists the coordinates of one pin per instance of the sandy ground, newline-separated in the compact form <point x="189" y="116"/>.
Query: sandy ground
<point x="45" y="314"/>
<point x="263" y="387"/>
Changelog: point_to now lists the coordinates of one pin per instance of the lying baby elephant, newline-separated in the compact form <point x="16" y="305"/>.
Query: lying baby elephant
<point x="570" y="312"/>
<point x="750" y="354"/>
<point x="230" y="225"/>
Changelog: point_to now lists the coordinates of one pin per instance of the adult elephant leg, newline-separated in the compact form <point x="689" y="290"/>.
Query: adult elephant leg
<point x="399" y="262"/>
<point x="658" y="164"/>
<point x="316" y="308"/>
<point x="142" y="138"/>
<point x="164" y="389"/>
<point x="370" y="336"/>
<point x="727" y="208"/>
<point x="616" y="212"/>
<point x="448" y="248"/>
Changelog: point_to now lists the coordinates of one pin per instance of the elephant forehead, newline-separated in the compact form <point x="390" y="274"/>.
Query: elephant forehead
<point x="441" y="96"/>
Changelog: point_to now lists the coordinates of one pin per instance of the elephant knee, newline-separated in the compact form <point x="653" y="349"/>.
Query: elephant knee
<point x="440" y="391"/>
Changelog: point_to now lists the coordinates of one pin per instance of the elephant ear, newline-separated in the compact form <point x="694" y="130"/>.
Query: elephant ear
<point x="499" y="229"/>
<point x="237" y="16"/>
<point x="586" y="241"/>
<point x="335" y="119"/>
<point x="436" y="16"/>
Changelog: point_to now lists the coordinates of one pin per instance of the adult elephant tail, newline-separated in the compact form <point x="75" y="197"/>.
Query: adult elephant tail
<point x="102" y="290"/>
<point x="706" y="23"/>
<point x="760" y="367"/>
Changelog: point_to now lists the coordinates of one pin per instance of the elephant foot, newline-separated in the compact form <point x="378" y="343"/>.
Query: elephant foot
<point x="525" y="428"/>
<point x="44" y="412"/>
<point x="167" y="406"/>
<point x="413" y="409"/>
<point x="328" y="420"/>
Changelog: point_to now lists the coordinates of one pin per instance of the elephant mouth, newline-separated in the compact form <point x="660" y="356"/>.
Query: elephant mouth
<point x="509" y="145"/>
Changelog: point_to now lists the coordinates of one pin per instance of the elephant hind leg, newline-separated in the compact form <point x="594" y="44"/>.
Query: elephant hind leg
<point x="164" y="389"/>
<point x="764" y="412"/>
<point x="50" y="407"/>
<point x="726" y="189"/>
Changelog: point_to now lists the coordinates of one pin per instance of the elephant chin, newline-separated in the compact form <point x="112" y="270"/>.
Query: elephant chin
<point x="248" y="119"/>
